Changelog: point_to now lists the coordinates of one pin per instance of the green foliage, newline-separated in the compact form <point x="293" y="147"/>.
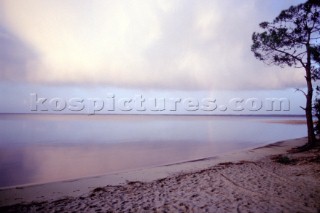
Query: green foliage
<point x="283" y="160"/>
<point x="291" y="37"/>
<point x="316" y="110"/>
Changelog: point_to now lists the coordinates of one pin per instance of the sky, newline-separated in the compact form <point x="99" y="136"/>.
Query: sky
<point x="161" y="49"/>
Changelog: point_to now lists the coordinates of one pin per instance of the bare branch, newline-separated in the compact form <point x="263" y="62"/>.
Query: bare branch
<point x="303" y="92"/>
<point x="303" y="108"/>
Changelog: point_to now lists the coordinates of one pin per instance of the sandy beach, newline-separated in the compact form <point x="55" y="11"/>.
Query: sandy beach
<point x="263" y="179"/>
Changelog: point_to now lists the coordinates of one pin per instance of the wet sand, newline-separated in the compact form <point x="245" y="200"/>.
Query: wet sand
<point x="292" y="122"/>
<point x="264" y="179"/>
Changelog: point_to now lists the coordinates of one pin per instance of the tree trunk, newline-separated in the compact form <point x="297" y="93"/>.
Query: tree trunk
<point x="311" y="135"/>
<point x="308" y="110"/>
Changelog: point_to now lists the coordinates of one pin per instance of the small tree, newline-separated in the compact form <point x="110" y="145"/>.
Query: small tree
<point x="316" y="109"/>
<point x="292" y="39"/>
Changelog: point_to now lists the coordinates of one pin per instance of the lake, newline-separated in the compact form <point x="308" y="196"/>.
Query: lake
<point x="39" y="148"/>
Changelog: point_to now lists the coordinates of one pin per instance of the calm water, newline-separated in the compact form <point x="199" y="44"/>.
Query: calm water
<point x="44" y="148"/>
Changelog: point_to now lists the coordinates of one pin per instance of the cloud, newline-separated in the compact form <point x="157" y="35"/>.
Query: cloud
<point x="178" y="44"/>
<point x="15" y="57"/>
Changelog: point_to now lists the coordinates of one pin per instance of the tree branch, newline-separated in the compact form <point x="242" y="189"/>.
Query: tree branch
<point x="293" y="56"/>
<point x="303" y="92"/>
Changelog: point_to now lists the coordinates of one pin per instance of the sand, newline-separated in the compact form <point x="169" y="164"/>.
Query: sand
<point x="266" y="179"/>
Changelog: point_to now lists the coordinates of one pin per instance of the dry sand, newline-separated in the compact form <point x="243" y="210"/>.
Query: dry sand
<point x="257" y="180"/>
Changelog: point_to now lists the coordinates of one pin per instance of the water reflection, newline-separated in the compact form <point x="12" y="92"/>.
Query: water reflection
<point x="43" y="148"/>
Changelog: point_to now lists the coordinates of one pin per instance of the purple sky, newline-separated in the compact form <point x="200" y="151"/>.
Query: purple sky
<point x="153" y="48"/>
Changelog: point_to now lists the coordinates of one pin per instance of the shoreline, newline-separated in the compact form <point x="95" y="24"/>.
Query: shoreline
<point x="215" y="156"/>
<point x="78" y="187"/>
<point x="147" y="167"/>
